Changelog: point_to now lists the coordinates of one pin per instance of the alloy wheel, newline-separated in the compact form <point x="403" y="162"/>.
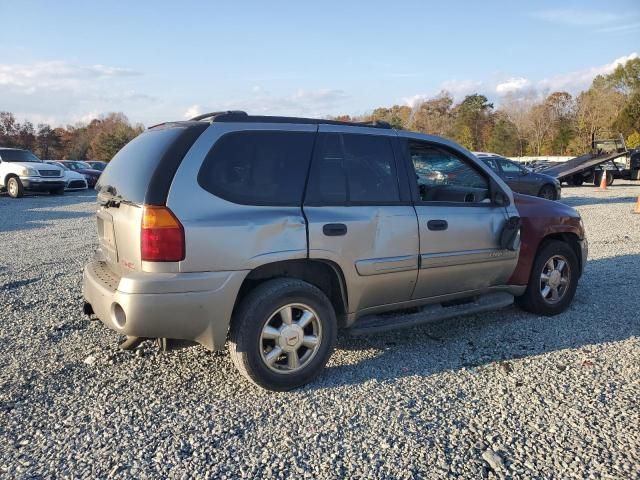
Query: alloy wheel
<point x="554" y="279"/>
<point x="290" y="338"/>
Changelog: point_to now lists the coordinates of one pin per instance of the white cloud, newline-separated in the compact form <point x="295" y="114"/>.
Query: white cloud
<point x="581" y="79"/>
<point x="313" y="103"/>
<point x="620" y="28"/>
<point x="59" y="92"/>
<point x="193" y="111"/>
<point x="578" y="17"/>
<point x="512" y="85"/>
<point x="522" y="87"/>
<point x="461" y="87"/>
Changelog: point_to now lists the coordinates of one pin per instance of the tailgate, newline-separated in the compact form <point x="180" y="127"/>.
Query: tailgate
<point x="119" y="236"/>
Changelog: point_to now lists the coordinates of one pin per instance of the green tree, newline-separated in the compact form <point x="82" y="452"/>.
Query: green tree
<point x="473" y="115"/>
<point x="504" y="136"/>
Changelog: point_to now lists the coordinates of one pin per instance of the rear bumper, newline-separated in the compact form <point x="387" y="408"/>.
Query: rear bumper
<point x="189" y="306"/>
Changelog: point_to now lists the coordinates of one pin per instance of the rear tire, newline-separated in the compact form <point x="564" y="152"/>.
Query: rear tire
<point x="15" y="187"/>
<point x="577" y="180"/>
<point x="547" y="192"/>
<point x="539" y="297"/>
<point x="273" y="331"/>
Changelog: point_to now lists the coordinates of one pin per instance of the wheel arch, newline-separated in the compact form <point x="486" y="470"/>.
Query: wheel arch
<point x="324" y="274"/>
<point x="569" y="238"/>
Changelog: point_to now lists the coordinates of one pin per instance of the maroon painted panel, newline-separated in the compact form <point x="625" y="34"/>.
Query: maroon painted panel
<point x="540" y="218"/>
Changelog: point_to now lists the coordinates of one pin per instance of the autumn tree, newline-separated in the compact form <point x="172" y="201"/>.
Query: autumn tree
<point x="433" y="116"/>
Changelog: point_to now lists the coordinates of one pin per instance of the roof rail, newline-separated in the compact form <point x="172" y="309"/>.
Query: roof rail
<point x="240" y="116"/>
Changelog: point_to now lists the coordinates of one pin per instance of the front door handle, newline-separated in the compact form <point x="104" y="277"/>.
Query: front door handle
<point x="437" y="225"/>
<point x="334" y="229"/>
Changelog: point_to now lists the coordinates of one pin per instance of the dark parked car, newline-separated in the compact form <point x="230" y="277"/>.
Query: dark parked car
<point x="97" y="165"/>
<point x="520" y="178"/>
<point x="91" y="174"/>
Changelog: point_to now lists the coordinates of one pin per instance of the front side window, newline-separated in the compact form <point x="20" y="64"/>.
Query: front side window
<point x="445" y="177"/>
<point x="491" y="163"/>
<point x="353" y="169"/>
<point x="258" y="167"/>
<point x="509" y="167"/>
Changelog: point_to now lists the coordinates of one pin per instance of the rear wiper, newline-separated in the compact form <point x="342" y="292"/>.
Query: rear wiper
<point x="113" y="200"/>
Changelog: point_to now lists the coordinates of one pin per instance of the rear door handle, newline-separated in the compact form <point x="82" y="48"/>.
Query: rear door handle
<point x="334" y="229"/>
<point x="437" y="225"/>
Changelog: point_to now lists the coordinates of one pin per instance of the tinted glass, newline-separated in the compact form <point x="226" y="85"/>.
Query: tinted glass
<point x="18" y="156"/>
<point x="351" y="168"/>
<point x="443" y="176"/>
<point x="129" y="172"/>
<point x="258" y="168"/>
<point x="509" y="167"/>
<point x="491" y="163"/>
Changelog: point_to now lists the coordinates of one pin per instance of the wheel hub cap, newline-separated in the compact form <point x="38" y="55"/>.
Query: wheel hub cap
<point x="290" y="338"/>
<point x="554" y="278"/>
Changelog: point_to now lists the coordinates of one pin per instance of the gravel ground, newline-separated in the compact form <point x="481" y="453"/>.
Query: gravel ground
<point x="505" y="394"/>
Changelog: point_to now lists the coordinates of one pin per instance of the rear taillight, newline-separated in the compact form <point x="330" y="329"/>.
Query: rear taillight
<point x="162" y="236"/>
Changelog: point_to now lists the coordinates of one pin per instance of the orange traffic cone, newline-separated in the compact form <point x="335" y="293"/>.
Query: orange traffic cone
<point x="637" y="209"/>
<point x="603" y="180"/>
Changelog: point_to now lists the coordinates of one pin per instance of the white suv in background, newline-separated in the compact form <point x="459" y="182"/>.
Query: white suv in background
<point x="21" y="170"/>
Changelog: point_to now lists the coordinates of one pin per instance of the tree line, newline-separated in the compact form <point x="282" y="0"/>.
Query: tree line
<point x="529" y="124"/>
<point x="524" y="124"/>
<point x="99" y="139"/>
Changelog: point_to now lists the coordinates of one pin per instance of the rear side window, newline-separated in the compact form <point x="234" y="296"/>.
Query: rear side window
<point x="352" y="169"/>
<point x="142" y="171"/>
<point x="258" y="167"/>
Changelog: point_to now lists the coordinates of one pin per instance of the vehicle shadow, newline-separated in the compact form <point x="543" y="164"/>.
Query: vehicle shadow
<point x="31" y="212"/>
<point x="581" y="201"/>
<point x="601" y="312"/>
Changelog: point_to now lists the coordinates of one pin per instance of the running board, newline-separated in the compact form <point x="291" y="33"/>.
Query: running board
<point x="431" y="313"/>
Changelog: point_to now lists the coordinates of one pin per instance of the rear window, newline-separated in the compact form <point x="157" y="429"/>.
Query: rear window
<point x="258" y="167"/>
<point x="143" y="170"/>
<point x="353" y="169"/>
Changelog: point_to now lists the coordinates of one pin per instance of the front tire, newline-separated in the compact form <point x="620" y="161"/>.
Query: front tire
<point x="15" y="187"/>
<point x="57" y="191"/>
<point x="553" y="281"/>
<point x="283" y="334"/>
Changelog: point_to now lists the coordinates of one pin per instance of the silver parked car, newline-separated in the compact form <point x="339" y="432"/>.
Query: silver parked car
<point x="272" y="232"/>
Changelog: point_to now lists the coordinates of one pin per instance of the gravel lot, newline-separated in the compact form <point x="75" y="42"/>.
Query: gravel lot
<point x="505" y="394"/>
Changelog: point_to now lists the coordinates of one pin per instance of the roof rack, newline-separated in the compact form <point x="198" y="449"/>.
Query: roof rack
<point x="240" y="116"/>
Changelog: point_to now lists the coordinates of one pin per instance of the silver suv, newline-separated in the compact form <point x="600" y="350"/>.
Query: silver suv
<point x="273" y="232"/>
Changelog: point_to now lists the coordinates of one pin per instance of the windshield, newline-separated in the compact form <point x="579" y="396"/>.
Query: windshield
<point x="57" y="164"/>
<point x="75" y="165"/>
<point x="18" y="156"/>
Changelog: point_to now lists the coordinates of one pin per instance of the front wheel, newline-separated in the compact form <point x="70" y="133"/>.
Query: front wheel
<point x="57" y="191"/>
<point x="547" y="192"/>
<point x="283" y="334"/>
<point x="553" y="280"/>
<point x="15" y="187"/>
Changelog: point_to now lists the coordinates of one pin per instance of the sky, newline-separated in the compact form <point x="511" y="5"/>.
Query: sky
<point x="69" y="61"/>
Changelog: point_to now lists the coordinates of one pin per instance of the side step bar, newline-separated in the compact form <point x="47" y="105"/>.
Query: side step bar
<point x="429" y="314"/>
